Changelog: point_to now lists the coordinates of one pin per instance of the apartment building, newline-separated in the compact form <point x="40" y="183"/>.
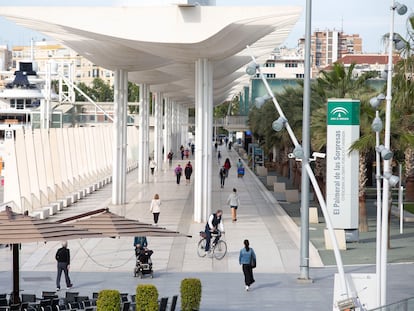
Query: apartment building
<point x="45" y="51"/>
<point x="328" y="46"/>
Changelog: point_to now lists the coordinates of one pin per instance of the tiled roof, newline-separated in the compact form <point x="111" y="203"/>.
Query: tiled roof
<point x="370" y="59"/>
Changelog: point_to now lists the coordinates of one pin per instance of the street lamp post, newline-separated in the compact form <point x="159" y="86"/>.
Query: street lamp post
<point x="304" y="226"/>
<point x="401" y="9"/>
<point x="377" y="127"/>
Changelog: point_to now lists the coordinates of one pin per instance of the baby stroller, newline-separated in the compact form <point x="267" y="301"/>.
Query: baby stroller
<point x="143" y="265"/>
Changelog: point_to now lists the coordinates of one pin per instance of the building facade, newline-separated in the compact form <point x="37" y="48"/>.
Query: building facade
<point x="328" y="46"/>
<point x="45" y="51"/>
<point x="284" y="63"/>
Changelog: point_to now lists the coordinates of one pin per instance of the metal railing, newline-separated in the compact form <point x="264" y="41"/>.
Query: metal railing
<point x="403" y="305"/>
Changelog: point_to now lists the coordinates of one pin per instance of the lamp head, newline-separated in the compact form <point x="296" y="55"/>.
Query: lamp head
<point x="278" y="124"/>
<point x="298" y="152"/>
<point x="392" y="179"/>
<point x="400" y="8"/>
<point x="386" y="154"/>
<point x="377" y="125"/>
<point x="251" y="68"/>
<point x="376" y="101"/>
<point x="399" y="42"/>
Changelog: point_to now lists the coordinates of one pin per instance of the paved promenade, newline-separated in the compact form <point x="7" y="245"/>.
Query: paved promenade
<point x="108" y="263"/>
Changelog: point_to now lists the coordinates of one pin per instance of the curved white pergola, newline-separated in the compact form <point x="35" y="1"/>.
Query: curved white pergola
<point x="189" y="55"/>
<point x="160" y="44"/>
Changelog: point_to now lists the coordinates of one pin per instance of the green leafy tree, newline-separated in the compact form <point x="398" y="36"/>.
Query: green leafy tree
<point x="133" y="97"/>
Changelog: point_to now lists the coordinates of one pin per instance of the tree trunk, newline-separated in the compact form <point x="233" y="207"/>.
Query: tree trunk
<point x="363" y="220"/>
<point x="409" y="173"/>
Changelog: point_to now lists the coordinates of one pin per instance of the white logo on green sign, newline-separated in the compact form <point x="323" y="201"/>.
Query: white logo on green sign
<point x="343" y="113"/>
<point x="339" y="113"/>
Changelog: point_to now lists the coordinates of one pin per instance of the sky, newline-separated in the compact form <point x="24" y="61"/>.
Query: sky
<point x="368" y="18"/>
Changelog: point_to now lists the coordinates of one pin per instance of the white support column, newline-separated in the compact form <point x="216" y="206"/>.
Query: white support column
<point x="158" y="136"/>
<point x="119" y="131"/>
<point x="174" y="140"/>
<point x="203" y="139"/>
<point x="167" y="125"/>
<point x="184" y="125"/>
<point x="143" y="152"/>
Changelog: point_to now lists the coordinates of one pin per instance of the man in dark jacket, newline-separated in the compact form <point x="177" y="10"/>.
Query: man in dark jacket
<point x="63" y="263"/>
<point x="214" y="225"/>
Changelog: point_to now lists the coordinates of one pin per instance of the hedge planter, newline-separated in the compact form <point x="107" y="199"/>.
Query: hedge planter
<point x="190" y="294"/>
<point x="108" y="300"/>
<point x="146" y="297"/>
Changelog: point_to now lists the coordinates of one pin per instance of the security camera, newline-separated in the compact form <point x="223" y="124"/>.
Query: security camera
<point x="291" y="156"/>
<point x="319" y="155"/>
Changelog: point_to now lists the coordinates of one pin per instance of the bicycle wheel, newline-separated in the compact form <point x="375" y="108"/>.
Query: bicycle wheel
<point x="201" y="248"/>
<point x="220" y="250"/>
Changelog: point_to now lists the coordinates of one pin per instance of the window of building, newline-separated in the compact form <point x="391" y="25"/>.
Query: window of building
<point x="270" y="75"/>
<point x="291" y="64"/>
<point x="300" y="76"/>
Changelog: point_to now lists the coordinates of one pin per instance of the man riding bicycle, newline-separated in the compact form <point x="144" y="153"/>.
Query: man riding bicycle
<point x="214" y="225"/>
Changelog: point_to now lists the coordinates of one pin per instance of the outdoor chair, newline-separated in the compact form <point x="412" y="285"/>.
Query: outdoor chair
<point x="29" y="298"/>
<point x="74" y="305"/>
<point x="94" y="298"/>
<point x="86" y="304"/>
<point x="163" y="304"/>
<point x="70" y="297"/>
<point x="125" y="306"/>
<point x="124" y="297"/>
<point x="81" y="299"/>
<point x="24" y="306"/>
<point x="4" y="302"/>
<point x="49" y="295"/>
<point x="133" y="303"/>
<point x="55" y="304"/>
<point x="173" y="303"/>
<point x="46" y="305"/>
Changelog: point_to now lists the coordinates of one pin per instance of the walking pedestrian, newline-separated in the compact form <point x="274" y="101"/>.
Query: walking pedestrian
<point x="218" y="157"/>
<point x="178" y="172"/>
<point x="188" y="170"/>
<point x="247" y="258"/>
<point x="170" y="157"/>
<point x="153" y="165"/>
<point x="222" y="175"/>
<point x="234" y="202"/>
<point x="155" y="208"/>
<point x="227" y="165"/>
<point x="63" y="263"/>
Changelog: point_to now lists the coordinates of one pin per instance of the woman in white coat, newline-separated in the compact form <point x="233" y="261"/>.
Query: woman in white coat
<point x="155" y="207"/>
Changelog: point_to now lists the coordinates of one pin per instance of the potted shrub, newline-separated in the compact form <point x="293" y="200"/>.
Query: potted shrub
<point x="146" y="298"/>
<point x="190" y="294"/>
<point x="108" y="300"/>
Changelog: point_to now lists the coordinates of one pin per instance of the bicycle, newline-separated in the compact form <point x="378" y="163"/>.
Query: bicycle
<point x="218" y="249"/>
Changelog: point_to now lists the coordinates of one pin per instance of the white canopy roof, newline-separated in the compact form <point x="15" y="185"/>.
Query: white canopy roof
<point x="159" y="45"/>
